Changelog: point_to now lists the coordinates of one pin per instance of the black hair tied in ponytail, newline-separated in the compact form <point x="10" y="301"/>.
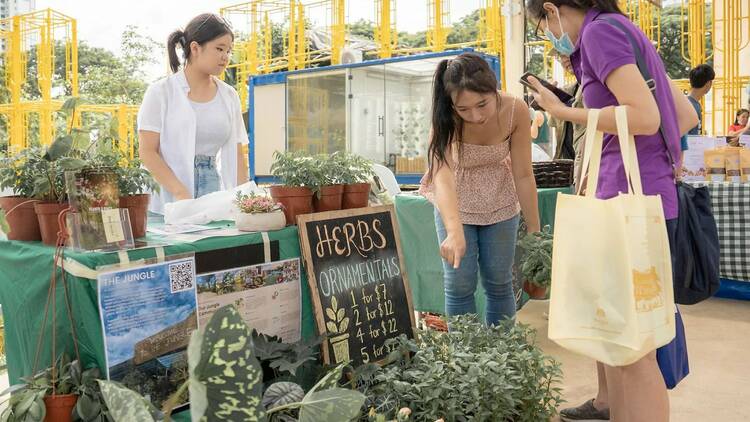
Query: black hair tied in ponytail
<point x="535" y="8"/>
<point x="469" y="72"/>
<point x="201" y="29"/>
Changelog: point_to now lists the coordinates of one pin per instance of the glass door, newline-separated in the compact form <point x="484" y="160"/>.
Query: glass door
<point x="366" y="112"/>
<point x="316" y="110"/>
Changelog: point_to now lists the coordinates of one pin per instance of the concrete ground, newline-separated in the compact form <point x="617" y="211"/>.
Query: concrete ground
<point x="718" y="339"/>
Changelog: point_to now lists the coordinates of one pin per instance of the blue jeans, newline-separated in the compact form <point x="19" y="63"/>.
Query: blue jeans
<point x="489" y="251"/>
<point x="206" y="176"/>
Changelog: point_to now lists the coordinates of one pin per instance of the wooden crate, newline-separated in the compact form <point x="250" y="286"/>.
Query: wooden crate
<point x="411" y="165"/>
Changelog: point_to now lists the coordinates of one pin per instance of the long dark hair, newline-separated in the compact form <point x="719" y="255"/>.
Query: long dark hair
<point x="468" y="71"/>
<point x="535" y="8"/>
<point x="201" y="29"/>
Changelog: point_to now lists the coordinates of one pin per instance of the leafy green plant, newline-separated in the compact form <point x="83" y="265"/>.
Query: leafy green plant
<point x="351" y="168"/>
<point x="297" y="169"/>
<point x="223" y="355"/>
<point x="537" y="258"/>
<point x="26" y="403"/>
<point x="473" y="372"/>
<point x="132" y="177"/>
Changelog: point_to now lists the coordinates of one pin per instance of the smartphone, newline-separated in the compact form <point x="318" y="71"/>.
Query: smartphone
<point x="562" y="95"/>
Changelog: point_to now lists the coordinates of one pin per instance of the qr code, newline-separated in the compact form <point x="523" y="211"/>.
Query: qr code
<point x="181" y="276"/>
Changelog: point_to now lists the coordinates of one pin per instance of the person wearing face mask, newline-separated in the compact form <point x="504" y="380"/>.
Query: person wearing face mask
<point x="190" y="127"/>
<point x="604" y="62"/>
<point x="479" y="178"/>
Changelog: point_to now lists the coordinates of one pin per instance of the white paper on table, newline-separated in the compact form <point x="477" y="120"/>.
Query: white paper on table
<point x="694" y="165"/>
<point x="172" y="229"/>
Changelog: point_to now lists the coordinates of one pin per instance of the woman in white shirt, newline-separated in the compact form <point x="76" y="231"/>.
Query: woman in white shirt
<point x="190" y="126"/>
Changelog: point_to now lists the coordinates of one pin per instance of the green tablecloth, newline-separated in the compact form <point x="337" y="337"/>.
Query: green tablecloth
<point x="24" y="281"/>
<point x="421" y="251"/>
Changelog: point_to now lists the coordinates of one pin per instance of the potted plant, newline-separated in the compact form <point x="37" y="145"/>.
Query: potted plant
<point x="537" y="262"/>
<point x="330" y="195"/>
<point x="300" y="178"/>
<point x="258" y="213"/>
<point x="17" y="172"/>
<point x="50" y="395"/>
<point x="354" y="173"/>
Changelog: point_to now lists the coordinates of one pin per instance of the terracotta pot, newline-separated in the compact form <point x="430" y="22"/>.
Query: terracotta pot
<point x="296" y="201"/>
<point x="534" y="291"/>
<point x="21" y="218"/>
<point x="137" y="206"/>
<point x="60" y="407"/>
<point x="47" y="213"/>
<point x="331" y="198"/>
<point x="356" y="196"/>
<point x="260" y="222"/>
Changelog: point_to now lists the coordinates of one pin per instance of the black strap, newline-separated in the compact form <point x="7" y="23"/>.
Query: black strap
<point x="643" y="68"/>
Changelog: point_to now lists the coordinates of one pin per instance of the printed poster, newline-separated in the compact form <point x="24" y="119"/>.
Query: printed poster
<point x="268" y="297"/>
<point x="148" y="314"/>
<point x="693" y="165"/>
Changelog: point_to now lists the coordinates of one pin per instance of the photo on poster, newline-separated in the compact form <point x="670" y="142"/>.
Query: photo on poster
<point x="148" y="314"/>
<point x="268" y="296"/>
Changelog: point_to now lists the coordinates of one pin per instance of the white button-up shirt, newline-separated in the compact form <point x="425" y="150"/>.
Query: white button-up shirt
<point x="166" y="110"/>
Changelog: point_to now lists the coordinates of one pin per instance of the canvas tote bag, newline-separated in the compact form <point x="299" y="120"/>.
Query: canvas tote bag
<point x="611" y="295"/>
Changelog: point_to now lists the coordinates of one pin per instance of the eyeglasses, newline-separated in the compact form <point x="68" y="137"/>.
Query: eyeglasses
<point x="538" y="25"/>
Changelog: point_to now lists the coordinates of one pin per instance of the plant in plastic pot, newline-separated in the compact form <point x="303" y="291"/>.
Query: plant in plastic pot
<point x="50" y="395"/>
<point x="537" y="262"/>
<point x="330" y="195"/>
<point x="354" y="173"/>
<point x="300" y="176"/>
<point x="258" y="213"/>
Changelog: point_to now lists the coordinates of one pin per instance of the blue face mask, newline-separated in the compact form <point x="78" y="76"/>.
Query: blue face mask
<point x="563" y="45"/>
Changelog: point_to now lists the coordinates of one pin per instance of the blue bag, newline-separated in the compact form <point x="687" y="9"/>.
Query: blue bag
<point x="673" y="358"/>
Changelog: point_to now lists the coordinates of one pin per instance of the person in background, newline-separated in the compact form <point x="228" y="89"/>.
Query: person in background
<point x="701" y="80"/>
<point x="604" y="62"/>
<point x="190" y="127"/>
<point x="570" y="135"/>
<point x="479" y="178"/>
<point x="740" y="124"/>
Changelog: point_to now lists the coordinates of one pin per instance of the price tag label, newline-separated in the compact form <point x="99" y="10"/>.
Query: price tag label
<point x="112" y="225"/>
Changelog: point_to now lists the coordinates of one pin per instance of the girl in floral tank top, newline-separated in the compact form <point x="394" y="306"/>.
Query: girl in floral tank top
<point x="480" y="177"/>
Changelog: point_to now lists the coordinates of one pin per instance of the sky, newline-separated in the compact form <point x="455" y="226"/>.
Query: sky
<point x="100" y="23"/>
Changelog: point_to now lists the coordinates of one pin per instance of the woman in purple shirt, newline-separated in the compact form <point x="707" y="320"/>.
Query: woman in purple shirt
<point x="605" y="65"/>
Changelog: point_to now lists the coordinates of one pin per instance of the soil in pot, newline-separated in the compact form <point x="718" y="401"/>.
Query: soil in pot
<point x="356" y="196"/>
<point x="47" y="213"/>
<point x="21" y="217"/>
<point x="330" y="198"/>
<point x="60" y="407"/>
<point x="137" y="206"/>
<point x="296" y="201"/>
<point x="534" y="291"/>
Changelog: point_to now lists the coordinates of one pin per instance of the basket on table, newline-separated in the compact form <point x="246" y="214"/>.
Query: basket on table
<point x="553" y="174"/>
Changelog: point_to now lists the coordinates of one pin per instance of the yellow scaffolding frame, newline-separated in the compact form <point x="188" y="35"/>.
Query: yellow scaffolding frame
<point x="386" y="33"/>
<point x="438" y="24"/>
<point x="18" y="33"/>
<point x="645" y="14"/>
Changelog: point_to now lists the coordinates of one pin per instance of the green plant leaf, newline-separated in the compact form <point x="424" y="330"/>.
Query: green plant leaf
<point x="282" y="393"/>
<point x="334" y="405"/>
<point x="60" y="148"/>
<point x="87" y="407"/>
<point x="71" y="164"/>
<point x="81" y="139"/>
<point x="114" y="128"/>
<point x="226" y="358"/>
<point x="70" y="105"/>
<point x="198" y="395"/>
<point x="4" y="227"/>
<point x="330" y="380"/>
<point x="286" y="365"/>
<point x="124" y="405"/>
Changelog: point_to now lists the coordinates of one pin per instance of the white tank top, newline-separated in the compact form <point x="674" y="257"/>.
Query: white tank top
<point x="212" y="126"/>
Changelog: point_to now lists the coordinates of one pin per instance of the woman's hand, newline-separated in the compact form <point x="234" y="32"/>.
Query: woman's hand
<point x="182" y="194"/>
<point x="453" y="248"/>
<point x="545" y="98"/>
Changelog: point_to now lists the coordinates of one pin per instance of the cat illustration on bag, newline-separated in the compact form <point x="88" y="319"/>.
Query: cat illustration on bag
<point x="647" y="289"/>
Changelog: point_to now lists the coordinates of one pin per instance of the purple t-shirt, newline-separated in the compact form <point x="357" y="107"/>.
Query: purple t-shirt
<point x="601" y="48"/>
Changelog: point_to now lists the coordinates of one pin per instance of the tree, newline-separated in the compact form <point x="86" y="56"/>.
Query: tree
<point x="671" y="41"/>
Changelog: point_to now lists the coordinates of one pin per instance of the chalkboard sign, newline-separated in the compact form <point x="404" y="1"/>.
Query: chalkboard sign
<point x="359" y="286"/>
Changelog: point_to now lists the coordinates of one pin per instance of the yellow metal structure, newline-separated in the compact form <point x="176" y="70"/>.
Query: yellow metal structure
<point x="39" y="29"/>
<point x="645" y="14"/>
<point x="386" y="34"/>
<point x="438" y="24"/>
<point x="492" y="32"/>
<point x="126" y="122"/>
<point x="693" y="37"/>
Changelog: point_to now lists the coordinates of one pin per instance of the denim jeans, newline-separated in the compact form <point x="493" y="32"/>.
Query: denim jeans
<point x="207" y="178"/>
<point x="489" y="252"/>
